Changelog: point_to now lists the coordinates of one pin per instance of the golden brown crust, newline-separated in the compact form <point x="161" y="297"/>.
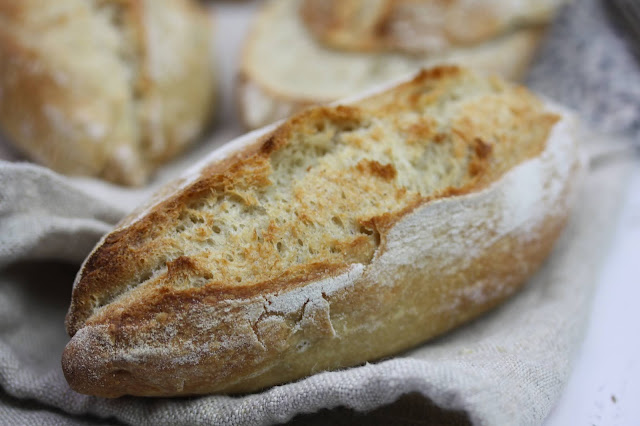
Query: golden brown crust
<point x="156" y="312"/>
<point x="97" y="88"/>
<point x="112" y="262"/>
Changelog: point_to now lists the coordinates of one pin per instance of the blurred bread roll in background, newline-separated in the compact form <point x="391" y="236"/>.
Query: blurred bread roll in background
<point x="286" y="68"/>
<point x="104" y="88"/>
<point x="420" y="26"/>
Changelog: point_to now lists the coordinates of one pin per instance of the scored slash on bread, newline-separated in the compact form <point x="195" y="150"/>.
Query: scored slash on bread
<point x="343" y="235"/>
<point x="420" y="26"/>
<point x="284" y="69"/>
<point x="110" y="88"/>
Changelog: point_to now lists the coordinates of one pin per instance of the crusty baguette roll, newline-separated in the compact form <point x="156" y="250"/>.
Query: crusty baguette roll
<point x="284" y="69"/>
<point x="104" y="88"/>
<point x="420" y="26"/>
<point x="343" y="235"/>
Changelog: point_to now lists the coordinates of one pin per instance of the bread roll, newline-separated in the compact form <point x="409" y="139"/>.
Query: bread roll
<point x="343" y="235"/>
<point x="284" y="69"/>
<point x="420" y="26"/>
<point x="104" y="88"/>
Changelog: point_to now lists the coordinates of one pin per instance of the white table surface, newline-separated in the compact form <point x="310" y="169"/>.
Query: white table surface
<point x="604" y="386"/>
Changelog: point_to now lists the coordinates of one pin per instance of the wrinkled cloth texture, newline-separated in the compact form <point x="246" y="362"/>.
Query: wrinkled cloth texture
<point x="507" y="367"/>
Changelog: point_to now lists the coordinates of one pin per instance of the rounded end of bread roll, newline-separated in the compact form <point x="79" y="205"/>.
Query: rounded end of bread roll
<point x="80" y="362"/>
<point x="92" y="365"/>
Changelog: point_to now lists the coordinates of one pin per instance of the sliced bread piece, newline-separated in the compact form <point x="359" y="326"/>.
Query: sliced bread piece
<point x="343" y="235"/>
<point x="285" y="69"/>
<point x="420" y="26"/>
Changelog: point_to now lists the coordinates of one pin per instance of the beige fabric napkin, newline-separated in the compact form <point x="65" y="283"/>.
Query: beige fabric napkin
<point x="506" y="368"/>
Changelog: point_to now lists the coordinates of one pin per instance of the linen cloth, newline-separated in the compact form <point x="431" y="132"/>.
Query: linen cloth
<point x="507" y="367"/>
